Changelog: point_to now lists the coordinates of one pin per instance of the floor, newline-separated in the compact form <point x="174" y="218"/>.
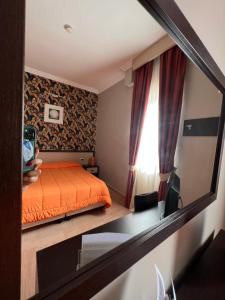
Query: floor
<point x="37" y="239"/>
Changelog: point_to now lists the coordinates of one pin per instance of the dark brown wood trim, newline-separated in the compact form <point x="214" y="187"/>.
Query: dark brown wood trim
<point x="91" y="279"/>
<point x="94" y="277"/>
<point x="12" y="21"/>
<point x="219" y="147"/>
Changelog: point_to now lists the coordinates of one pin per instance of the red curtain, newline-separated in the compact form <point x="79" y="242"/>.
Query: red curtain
<point x="171" y="82"/>
<point x="142" y="80"/>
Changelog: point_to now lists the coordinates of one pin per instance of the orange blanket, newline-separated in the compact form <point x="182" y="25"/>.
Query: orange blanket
<point x="62" y="187"/>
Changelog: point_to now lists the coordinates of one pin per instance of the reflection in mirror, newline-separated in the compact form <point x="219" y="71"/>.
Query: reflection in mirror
<point x="126" y="126"/>
<point x="196" y="146"/>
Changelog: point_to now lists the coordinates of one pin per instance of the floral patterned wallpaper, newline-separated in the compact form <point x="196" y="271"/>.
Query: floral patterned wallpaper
<point x="78" y="132"/>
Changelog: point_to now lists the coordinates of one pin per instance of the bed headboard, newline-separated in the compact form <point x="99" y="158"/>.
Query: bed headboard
<point x="80" y="157"/>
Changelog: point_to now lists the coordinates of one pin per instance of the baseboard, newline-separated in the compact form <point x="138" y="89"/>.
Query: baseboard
<point x="115" y="190"/>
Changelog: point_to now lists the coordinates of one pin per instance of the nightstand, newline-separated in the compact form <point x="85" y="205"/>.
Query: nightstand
<point x="92" y="169"/>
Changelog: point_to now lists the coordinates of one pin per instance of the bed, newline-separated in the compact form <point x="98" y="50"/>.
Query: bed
<point x="63" y="189"/>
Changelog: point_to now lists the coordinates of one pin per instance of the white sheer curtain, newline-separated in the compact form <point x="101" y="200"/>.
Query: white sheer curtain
<point x="147" y="166"/>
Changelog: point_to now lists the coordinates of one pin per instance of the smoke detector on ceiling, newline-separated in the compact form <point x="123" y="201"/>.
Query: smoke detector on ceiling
<point x="68" y="28"/>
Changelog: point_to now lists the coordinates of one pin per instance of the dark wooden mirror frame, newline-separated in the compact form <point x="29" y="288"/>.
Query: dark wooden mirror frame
<point x="94" y="277"/>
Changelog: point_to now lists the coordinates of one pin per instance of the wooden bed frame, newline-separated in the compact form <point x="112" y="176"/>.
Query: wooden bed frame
<point x="79" y="157"/>
<point x="50" y="156"/>
<point x="66" y="216"/>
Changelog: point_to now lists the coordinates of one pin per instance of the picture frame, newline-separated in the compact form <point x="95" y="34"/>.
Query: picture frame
<point x="53" y="114"/>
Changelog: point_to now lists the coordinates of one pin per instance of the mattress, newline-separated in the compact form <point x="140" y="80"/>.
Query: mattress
<point x="61" y="188"/>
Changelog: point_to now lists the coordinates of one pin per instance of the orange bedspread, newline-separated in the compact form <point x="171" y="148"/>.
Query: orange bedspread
<point x="62" y="187"/>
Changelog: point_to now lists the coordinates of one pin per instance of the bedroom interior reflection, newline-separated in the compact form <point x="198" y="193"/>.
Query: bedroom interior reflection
<point x="117" y="125"/>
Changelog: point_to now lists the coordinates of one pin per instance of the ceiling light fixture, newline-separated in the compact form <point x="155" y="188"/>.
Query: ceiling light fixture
<point x="68" y="28"/>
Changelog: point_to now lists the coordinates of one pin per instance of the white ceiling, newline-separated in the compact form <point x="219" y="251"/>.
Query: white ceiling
<point x="106" y="35"/>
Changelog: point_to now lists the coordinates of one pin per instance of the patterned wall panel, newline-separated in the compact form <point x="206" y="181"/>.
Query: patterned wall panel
<point x="78" y="132"/>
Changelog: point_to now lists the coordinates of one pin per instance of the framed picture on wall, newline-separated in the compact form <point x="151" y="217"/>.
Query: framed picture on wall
<point x="53" y="114"/>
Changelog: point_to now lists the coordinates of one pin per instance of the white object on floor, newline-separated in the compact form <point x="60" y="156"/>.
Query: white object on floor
<point x="173" y="289"/>
<point x="161" y="293"/>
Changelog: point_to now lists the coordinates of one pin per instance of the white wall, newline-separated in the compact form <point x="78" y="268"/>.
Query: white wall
<point x="113" y="132"/>
<point x="175" y="252"/>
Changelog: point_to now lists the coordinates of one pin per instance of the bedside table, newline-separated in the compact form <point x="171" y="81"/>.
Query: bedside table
<point x="92" y="169"/>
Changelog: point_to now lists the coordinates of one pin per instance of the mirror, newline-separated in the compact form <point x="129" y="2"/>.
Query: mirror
<point x="85" y="63"/>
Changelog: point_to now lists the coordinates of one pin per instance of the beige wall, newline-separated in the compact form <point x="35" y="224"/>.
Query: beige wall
<point x="172" y="255"/>
<point x="113" y="131"/>
<point x="201" y="100"/>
